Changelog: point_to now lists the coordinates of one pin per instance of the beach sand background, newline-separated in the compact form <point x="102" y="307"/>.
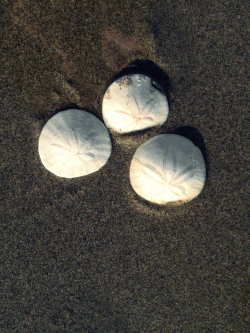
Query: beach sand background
<point x="87" y="254"/>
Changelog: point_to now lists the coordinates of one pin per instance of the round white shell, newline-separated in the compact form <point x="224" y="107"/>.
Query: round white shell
<point x="168" y="168"/>
<point x="74" y="143"/>
<point x="132" y="103"/>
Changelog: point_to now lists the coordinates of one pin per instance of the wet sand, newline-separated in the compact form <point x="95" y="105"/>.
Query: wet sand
<point x="87" y="254"/>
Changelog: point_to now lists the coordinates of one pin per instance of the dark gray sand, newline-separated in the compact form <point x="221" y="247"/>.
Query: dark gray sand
<point x="87" y="254"/>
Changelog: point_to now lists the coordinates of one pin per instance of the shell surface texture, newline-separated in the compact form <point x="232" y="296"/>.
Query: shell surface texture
<point x="168" y="168"/>
<point x="74" y="143"/>
<point x="133" y="103"/>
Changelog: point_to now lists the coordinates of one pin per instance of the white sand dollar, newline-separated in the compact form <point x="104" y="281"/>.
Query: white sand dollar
<point x="168" y="168"/>
<point x="132" y="103"/>
<point x="74" y="143"/>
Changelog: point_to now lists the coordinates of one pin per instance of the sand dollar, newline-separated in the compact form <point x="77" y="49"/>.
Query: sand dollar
<point x="74" y="143"/>
<point x="168" y="168"/>
<point x="133" y="103"/>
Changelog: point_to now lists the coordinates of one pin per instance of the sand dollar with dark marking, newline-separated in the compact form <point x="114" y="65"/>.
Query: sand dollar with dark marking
<point x="132" y="103"/>
<point x="74" y="143"/>
<point x="168" y="168"/>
